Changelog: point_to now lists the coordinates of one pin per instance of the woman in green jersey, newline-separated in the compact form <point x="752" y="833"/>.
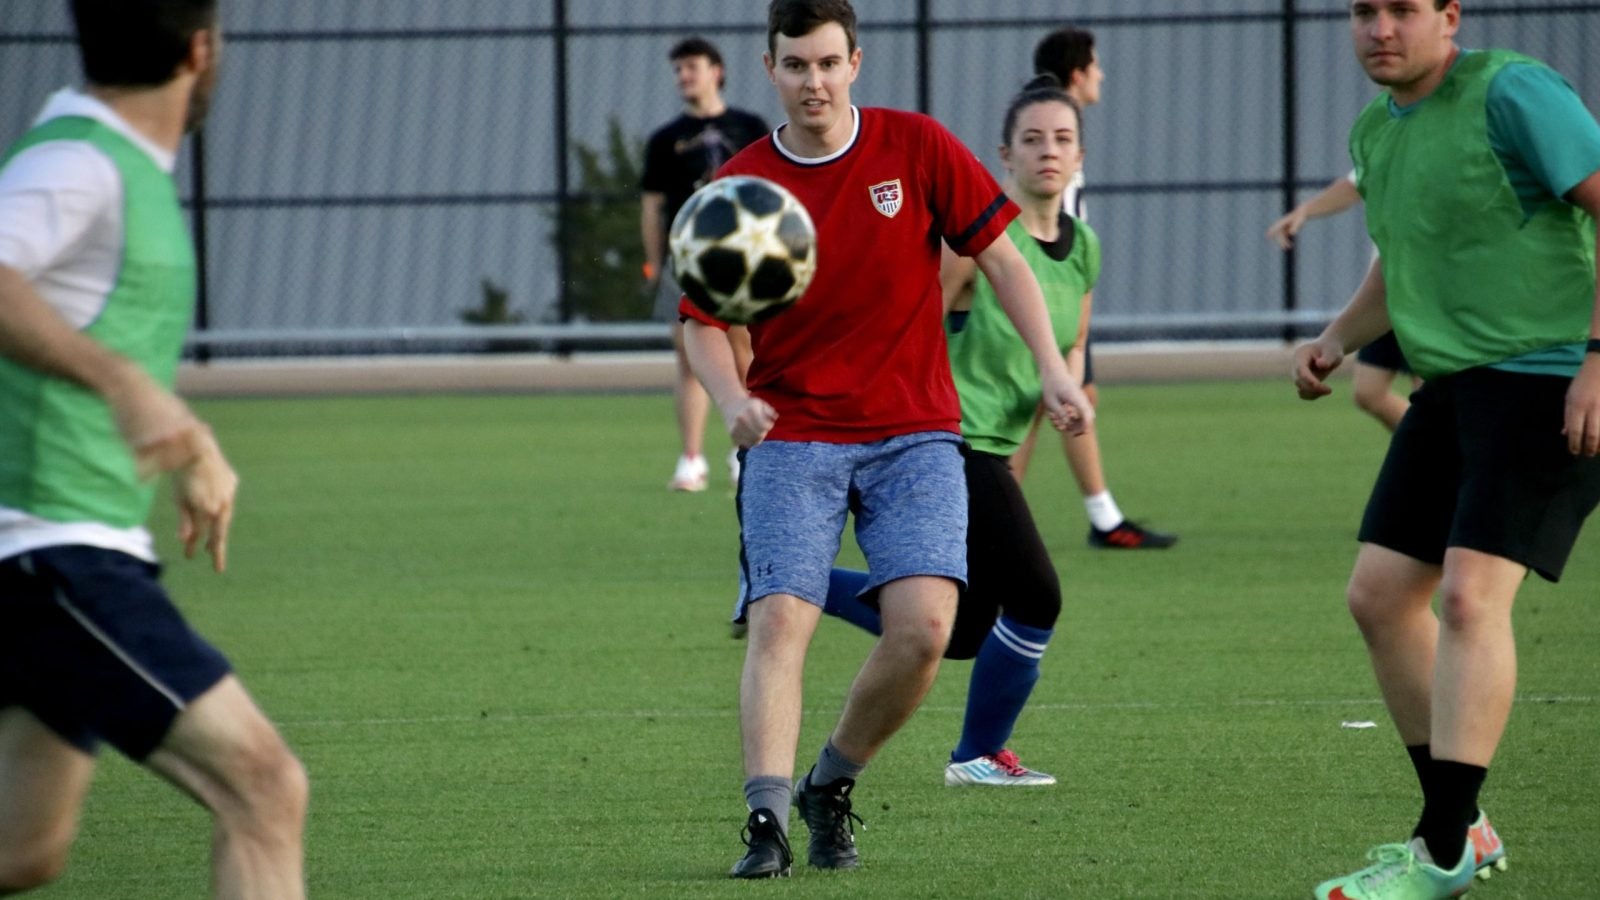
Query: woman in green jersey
<point x="1008" y="611"/>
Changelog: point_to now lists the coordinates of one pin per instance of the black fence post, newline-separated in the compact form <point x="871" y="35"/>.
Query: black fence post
<point x="197" y="189"/>
<point x="563" y="164"/>
<point x="1291" y="162"/>
<point x="924" y="56"/>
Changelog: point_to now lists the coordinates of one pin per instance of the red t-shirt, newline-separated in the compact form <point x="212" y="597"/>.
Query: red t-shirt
<point x="861" y="357"/>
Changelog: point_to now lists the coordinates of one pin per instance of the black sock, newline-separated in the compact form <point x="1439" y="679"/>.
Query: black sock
<point x="1450" y="804"/>
<point x="1422" y="761"/>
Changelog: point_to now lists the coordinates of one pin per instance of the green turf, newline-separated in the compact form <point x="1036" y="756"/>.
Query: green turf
<point x="498" y="643"/>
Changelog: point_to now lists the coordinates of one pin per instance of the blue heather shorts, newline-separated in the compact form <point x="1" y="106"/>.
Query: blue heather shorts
<point x="908" y="494"/>
<point x="91" y="645"/>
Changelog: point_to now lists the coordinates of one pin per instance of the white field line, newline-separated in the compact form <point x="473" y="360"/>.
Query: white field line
<point x="731" y="712"/>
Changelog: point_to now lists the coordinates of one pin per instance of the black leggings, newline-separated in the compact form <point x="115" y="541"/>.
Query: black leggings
<point x="1008" y="567"/>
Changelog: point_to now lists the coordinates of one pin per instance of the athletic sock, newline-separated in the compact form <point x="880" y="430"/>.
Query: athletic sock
<point x="1002" y="679"/>
<point x="1103" y="511"/>
<point x="1422" y="761"/>
<point x="843" y="587"/>
<point x="770" y="792"/>
<point x="832" y="766"/>
<point x="1450" y="804"/>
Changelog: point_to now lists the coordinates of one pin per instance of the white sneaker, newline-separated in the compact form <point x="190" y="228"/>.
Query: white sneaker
<point x="690" y="474"/>
<point x="1003" y="769"/>
<point x="733" y="467"/>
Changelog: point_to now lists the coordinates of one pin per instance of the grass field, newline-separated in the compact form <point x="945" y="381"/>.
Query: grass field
<point x="499" y="645"/>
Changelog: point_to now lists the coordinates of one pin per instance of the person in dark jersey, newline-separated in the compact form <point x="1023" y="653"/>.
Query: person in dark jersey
<point x="1069" y="54"/>
<point x="680" y="157"/>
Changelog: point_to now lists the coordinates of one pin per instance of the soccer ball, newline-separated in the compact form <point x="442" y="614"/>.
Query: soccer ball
<point x="743" y="249"/>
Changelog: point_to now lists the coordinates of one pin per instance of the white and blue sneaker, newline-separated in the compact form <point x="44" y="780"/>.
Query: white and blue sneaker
<point x="1001" y="769"/>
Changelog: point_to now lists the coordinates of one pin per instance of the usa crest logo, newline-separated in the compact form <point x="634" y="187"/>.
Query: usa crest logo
<point x="887" y="197"/>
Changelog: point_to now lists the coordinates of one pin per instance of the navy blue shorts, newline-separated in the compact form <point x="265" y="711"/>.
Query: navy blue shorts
<point x="92" y="646"/>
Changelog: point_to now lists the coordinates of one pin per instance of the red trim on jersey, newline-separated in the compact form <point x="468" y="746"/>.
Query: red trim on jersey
<point x="861" y="357"/>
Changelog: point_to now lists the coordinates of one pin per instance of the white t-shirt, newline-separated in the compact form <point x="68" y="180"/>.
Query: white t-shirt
<point x="1072" y="198"/>
<point x="61" y="227"/>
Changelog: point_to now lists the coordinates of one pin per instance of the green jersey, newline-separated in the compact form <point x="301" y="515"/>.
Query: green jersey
<point x="1484" y="264"/>
<point x="994" y="371"/>
<point x="61" y="456"/>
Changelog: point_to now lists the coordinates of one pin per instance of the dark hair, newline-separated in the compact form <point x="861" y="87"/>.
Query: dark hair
<point x="1044" y="88"/>
<point x="798" y="18"/>
<point x="1064" y="51"/>
<point x="138" y="43"/>
<point x="699" y="46"/>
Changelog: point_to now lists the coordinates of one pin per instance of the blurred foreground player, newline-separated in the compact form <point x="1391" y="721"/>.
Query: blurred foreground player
<point x="97" y="286"/>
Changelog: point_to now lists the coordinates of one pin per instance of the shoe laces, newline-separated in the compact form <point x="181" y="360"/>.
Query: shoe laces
<point x="1390" y="861"/>
<point x="842" y="827"/>
<point x="1008" y="762"/>
<point x="756" y="831"/>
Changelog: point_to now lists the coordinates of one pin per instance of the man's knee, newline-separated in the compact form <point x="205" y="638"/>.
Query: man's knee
<point x="272" y="784"/>
<point x="920" y="639"/>
<point x="1371" y="603"/>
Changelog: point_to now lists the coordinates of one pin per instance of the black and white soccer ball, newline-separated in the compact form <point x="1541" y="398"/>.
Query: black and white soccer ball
<point x="743" y="249"/>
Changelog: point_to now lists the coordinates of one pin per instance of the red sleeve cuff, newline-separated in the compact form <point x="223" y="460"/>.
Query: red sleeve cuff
<point x="687" y="310"/>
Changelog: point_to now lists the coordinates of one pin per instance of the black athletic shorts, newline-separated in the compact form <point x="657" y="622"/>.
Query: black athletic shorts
<point x="1088" y="363"/>
<point x="1479" y="462"/>
<point x="1384" y="353"/>
<point x="92" y="646"/>
<point x="1008" y="566"/>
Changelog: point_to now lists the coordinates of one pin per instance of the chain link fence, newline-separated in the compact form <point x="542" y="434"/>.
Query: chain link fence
<point x="433" y="176"/>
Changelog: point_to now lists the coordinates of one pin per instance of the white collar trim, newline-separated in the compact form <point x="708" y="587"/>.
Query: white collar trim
<point x="855" y="132"/>
<point x="71" y="102"/>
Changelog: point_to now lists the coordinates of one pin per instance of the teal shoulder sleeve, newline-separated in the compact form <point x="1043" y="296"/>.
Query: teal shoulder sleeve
<point x="1537" y="120"/>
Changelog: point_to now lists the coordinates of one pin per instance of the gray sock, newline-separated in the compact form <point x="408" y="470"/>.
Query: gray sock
<point x="770" y="792"/>
<point x="832" y="766"/>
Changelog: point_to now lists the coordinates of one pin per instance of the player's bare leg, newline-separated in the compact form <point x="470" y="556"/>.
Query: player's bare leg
<point x="1476" y="672"/>
<point x="43" y="781"/>
<point x="781" y="626"/>
<point x="224" y="753"/>
<point x="917" y="615"/>
<point x="692" y="405"/>
<point x="1391" y="598"/>
<point x="1372" y="391"/>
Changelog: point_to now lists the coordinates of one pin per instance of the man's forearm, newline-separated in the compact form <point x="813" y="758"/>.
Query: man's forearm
<point x="35" y="336"/>
<point x="1366" y="317"/>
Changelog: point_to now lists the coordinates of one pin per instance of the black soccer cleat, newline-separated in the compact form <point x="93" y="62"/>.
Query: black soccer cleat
<point x="826" y="810"/>
<point x="1130" y="535"/>
<point x="768" y="856"/>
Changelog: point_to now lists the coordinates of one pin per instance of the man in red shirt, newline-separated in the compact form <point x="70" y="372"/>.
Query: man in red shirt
<point x="850" y="408"/>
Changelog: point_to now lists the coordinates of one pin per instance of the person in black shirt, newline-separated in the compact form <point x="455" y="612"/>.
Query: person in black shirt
<point x="682" y="156"/>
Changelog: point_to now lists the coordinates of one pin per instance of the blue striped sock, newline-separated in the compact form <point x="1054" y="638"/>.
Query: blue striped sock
<point x="1002" y="679"/>
<point x="842" y="602"/>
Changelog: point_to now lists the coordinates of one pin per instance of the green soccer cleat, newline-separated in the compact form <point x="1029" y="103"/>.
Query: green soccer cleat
<point x="1402" y="872"/>
<point x="1488" y="852"/>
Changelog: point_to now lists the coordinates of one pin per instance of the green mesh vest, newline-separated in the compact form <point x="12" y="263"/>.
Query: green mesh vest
<point x="994" y="371"/>
<point x="61" y="457"/>
<point x="1471" y="280"/>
